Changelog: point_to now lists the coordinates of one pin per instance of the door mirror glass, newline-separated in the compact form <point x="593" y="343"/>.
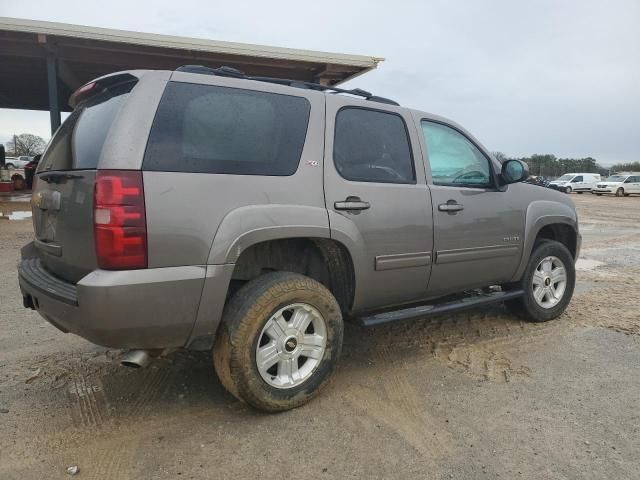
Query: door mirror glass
<point x="514" y="171"/>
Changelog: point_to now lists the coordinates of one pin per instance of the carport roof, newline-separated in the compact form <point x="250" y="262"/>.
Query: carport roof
<point x="83" y="53"/>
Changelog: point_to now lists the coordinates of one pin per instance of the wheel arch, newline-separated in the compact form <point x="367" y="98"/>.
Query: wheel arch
<point x="553" y="221"/>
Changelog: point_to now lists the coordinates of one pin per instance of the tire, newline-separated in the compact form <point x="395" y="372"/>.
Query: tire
<point x="620" y="192"/>
<point x="527" y="307"/>
<point x="10" y="166"/>
<point x="567" y="190"/>
<point x="599" y="194"/>
<point x="249" y="320"/>
<point x="579" y="193"/>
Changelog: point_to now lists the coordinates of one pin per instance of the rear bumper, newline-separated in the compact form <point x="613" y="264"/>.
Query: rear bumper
<point x="153" y="308"/>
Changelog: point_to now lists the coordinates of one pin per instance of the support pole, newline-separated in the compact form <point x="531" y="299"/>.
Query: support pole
<point x="52" y="81"/>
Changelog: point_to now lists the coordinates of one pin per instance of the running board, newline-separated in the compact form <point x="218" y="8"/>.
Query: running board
<point x="432" y="309"/>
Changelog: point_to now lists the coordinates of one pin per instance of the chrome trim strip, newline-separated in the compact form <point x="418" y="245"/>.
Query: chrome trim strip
<point x="402" y="260"/>
<point x="476" y="253"/>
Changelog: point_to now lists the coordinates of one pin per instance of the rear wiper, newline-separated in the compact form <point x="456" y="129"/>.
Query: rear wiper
<point x="58" y="177"/>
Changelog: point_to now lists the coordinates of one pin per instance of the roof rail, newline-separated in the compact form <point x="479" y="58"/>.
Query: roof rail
<point x="235" y="73"/>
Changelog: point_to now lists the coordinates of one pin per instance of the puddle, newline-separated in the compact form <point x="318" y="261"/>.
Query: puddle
<point x="588" y="265"/>
<point x="19" y="215"/>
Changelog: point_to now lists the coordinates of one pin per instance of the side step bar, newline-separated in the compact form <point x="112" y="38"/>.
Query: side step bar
<point x="433" y="309"/>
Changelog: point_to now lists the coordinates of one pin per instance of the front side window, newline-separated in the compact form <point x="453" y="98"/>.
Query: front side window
<point x="577" y="179"/>
<point x="454" y="160"/>
<point x="372" y="146"/>
<point x="209" y="129"/>
<point x="630" y="180"/>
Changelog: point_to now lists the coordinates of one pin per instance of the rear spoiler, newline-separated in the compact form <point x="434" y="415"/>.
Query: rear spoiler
<point x="99" y="85"/>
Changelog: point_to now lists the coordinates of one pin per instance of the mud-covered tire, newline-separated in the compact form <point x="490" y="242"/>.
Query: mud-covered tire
<point x="526" y="306"/>
<point x="245" y="316"/>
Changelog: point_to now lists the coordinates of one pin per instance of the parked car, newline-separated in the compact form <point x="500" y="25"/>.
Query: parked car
<point x="576" y="182"/>
<point x="621" y="184"/>
<point x="255" y="231"/>
<point x="19" y="162"/>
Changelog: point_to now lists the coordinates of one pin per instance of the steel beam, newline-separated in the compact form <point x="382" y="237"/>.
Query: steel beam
<point x="52" y="83"/>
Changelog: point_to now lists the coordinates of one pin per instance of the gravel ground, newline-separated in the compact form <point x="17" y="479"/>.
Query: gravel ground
<point x="476" y="395"/>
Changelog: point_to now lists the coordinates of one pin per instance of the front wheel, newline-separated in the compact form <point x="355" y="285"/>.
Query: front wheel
<point x="567" y="190"/>
<point x="548" y="283"/>
<point x="620" y="192"/>
<point x="279" y="341"/>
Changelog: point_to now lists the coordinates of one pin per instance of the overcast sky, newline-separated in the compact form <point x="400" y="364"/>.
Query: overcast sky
<point x="541" y="76"/>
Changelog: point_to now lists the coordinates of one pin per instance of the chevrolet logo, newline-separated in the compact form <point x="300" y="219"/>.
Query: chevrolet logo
<point x="36" y="199"/>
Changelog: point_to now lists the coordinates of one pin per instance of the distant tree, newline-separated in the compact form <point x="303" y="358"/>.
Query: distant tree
<point x="26" y="144"/>
<point x="626" y="167"/>
<point x="501" y="157"/>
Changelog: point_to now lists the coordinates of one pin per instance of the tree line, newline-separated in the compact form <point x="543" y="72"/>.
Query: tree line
<point x="548" y="165"/>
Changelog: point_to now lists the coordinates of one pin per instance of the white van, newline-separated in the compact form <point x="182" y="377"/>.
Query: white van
<point x="624" y="183"/>
<point x="576" y="182"/>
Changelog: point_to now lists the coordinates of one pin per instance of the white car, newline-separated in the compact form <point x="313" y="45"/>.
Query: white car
<point x="576" y="182"/>
<point x="20" y="162"/>
<point x="624" y="183"/>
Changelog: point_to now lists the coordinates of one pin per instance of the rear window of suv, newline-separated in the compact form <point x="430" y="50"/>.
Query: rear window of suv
<point x="78" y="142"/>
<point x="210" y="129"/>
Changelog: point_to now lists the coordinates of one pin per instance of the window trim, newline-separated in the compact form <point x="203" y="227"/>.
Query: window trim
<point x="253" y="90"/>
<point x="492" y="185"/>
<point x="406" y="131"/>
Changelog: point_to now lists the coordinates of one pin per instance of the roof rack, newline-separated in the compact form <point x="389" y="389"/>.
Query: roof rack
<point x="235" y="73"/>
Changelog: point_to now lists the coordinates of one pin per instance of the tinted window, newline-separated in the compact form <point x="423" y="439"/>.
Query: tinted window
<point x="577" y="179"/>
<point x="78" y="142"/>
<point x="454" y="160"/>
<point x="207" y="129"/>
<point x="372" y="146"/>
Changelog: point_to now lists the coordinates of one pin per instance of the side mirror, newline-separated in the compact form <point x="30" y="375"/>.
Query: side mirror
<point x="514" y="171"/>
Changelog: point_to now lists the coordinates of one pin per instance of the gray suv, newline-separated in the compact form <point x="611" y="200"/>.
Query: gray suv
<point x="208" y="210"/>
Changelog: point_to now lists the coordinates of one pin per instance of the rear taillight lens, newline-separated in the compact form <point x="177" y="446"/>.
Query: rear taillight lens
<point x="119" y="220"/>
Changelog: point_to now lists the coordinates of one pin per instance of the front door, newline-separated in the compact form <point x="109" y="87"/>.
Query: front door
<point x="378" y="201"/>
<point x="477" y="228"/>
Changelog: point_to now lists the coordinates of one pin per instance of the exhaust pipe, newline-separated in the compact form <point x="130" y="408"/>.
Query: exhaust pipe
<point x="136" y="359"/>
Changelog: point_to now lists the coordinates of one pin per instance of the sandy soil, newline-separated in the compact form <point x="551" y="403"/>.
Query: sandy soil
<point x="476" y="395"/>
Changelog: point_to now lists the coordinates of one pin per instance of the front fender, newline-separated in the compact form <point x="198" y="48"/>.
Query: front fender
<point x="539" y="214"/>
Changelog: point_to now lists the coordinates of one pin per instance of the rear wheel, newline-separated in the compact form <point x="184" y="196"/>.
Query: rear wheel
<point x="620" y="192"/>
<point x="548" y="283"/>
<point x="579" y="193"/>
<point x="279" y="341"/>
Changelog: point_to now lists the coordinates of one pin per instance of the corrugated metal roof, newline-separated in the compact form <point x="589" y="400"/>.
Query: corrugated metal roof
<point x="184" y="43"/>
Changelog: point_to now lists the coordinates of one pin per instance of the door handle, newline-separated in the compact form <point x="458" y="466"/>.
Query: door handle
<point x="352" y="203"/>
<point x="450" y="206"/>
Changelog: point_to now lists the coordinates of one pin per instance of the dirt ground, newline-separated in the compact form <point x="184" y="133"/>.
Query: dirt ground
<point x="476" y="395"/>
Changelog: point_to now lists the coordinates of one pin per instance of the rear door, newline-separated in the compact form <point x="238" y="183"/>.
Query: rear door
<point x="632" y="184"/>
<point x="378" y="201"/>
<point x="478" y="227"/>
<point x="62" y="202"/>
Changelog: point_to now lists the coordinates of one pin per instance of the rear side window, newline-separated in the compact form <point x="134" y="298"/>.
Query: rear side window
<point x="209" y="129"/>
<point x="78" y="142"/>
<point x="372" y="146"/>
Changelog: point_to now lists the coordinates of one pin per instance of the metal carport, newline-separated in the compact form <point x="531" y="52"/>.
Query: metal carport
<point x="42" y="63"/>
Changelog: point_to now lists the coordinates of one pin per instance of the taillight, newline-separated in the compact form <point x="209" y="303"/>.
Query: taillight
<point x="119" y="220"/>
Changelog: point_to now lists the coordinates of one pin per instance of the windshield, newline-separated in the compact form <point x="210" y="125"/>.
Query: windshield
<point x="565" y="178"/>
<point x="616" y="178"/>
